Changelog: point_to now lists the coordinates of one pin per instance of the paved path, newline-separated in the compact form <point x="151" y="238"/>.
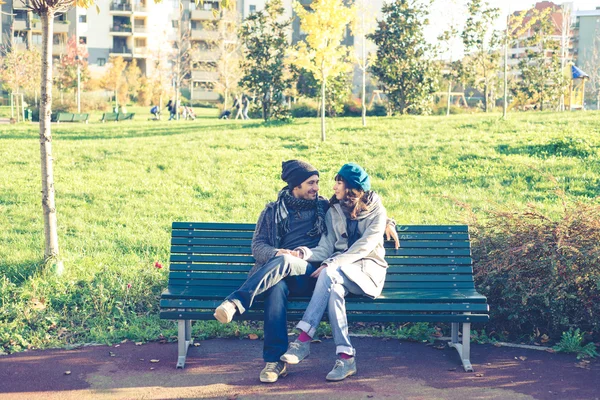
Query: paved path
<point x="228" y="369"/>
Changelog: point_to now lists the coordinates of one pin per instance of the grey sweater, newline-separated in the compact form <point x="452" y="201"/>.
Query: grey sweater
<point x="264" y="241"/>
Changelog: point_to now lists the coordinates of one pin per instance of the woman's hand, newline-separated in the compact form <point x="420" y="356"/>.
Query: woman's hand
<point x="390" y="233"/>
<point x="294" y="253"/>
<point x="318" y="271"/>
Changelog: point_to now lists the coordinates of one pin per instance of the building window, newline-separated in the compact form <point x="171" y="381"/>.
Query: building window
<point x="252" y="9"/>
<point x="83" y="18"/>
<point x="36" y="39"/>
<point x="101" y="62"/>
<point x="83" y="40"/>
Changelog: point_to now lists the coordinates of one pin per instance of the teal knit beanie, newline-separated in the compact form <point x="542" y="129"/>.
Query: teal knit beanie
<point x="355" y="176"/>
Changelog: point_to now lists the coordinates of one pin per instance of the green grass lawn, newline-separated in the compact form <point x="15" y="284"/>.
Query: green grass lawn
<point x="120" y="185"/>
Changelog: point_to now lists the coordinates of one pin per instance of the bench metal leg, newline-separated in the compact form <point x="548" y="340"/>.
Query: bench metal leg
<point x="464" y="349"/>
<point x="184" y="340"/>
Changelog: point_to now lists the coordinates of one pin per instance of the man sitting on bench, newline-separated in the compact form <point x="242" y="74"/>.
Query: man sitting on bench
<point x="296" y="219"/>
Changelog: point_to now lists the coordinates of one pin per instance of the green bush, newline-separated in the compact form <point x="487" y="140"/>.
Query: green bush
<point x="378" y="110"/>
<point x="305" y="109"/>
<point x="572" y="342"/>
<point x="540" y="273"/>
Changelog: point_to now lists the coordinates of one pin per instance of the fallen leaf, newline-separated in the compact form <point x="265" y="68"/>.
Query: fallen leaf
<point x="117" y="345"/>
<point x="451" y="369"/>
<point x="124" y="341"/>
<point x="110" y="353"/>
<point x="253" y="336"/>
<point x="497" y="345"/>
<point x="141" y="359"/>
<point x="138" y="343"/>
<point x="479" y="375"/>
<point x="545" y="338"/>
<point x="550" y="350"/>
<point x="154" y="361"/>
<point x="196" y="344"/>
<point x="151" y="368"/>
<point x="522" y="358"/>
<point x="67" y="372"/>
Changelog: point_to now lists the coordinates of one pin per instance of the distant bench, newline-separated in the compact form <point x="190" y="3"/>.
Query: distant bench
<point x="429" y="279"/>
<point x="116" y="117"/>
<point x="69" y="117"/>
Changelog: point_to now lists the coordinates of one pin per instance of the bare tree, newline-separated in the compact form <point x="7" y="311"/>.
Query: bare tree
<point x="228" y="61"/>
<point x="47" y="9"/>
<point x="181" y="55"/>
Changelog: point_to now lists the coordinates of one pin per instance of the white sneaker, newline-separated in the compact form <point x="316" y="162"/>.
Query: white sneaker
<point x="225" y="312"/>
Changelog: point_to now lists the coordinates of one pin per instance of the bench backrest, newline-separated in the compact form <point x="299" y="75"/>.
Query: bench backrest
<point x="216" y="257"/>
<point x="125" y="116"/>
<point x="64" y="117"/>
<point x="80" y="117"/>
<point x="109" y="116"/>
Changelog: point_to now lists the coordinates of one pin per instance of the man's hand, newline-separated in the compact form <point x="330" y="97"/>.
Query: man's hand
<point x="318" y="271"/>
<point x="281" y="252"/>
<point x="390" y="233"/>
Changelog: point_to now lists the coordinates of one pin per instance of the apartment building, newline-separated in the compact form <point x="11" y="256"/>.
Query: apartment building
<point x="561" y="17"/>
<point x="23" y="29"/>
<point x="586" y="37"/>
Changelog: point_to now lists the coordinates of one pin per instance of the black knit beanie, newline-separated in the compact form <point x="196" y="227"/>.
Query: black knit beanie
<point x="294" y="172"/>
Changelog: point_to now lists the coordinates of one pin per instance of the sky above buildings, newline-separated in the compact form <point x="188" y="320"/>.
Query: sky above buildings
<point x="446" y="12"/>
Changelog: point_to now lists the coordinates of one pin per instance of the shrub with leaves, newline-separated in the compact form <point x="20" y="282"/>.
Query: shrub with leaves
<point x="540" y="272"/>
<point x="572" y="342"/>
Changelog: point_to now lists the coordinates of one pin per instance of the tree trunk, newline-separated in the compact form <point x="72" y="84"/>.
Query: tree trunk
<point x="485" y="97"/>
<point x="364" y="94"/>
<point x="48" y="204"/>
<point x="322" y="107"/>
<point x="449" y="95"/>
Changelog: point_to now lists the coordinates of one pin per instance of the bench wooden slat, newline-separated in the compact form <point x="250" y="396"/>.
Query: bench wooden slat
<point x="403" y="236"/>
<point x="394" y="295"/>
<point x="389" y="252"/>
<point x="253" y="315"/>
<point x="352" y="304"/>
<point x="394" y="269"/>
<point x="214" y="226"/>
<point x="184" y="241"/>
<point x="241" y="276"/>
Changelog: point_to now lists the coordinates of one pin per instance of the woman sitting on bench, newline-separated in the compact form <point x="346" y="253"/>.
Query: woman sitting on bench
<point x="354" y="263"/>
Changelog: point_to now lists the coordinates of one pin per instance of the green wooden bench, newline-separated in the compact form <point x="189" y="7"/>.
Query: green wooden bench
<point x="69" y="117"/>
<point x="125" y="116"/>
<point x="110" y="117"/>
<point x="430" y="279"/>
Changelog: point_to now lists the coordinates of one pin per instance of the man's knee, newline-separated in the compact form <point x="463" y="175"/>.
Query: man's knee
<point x="278" y="292"/>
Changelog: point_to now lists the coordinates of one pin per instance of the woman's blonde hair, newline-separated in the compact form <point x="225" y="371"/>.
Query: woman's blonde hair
<point x="354" y="201"/>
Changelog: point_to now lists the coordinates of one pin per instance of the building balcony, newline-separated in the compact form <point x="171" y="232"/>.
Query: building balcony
<point x="20" y="25"/>
<point x="203" y="15"/>
<point x="122" y="51"/>
<point x="140" y="31"/>
<point x="120" y="8"/>
<point x="205" y="95"/>
<point x="140" y="52"/>
<point x="59" y="49"/>
<point x="59" y="27"/>
<point x="205" y="76"/>
<point x="205" y="55"/>
<point x="120" y="30"/>
<point x="140" y="9"/>
<point x="198" y="34"/>
<point x="20" y="4"/>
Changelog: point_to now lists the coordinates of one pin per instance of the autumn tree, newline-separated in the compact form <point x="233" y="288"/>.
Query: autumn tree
<point x="113" y="78"/>
<point x="591" y="66"/>
<point x="322" y="52"/>
<point x="132" y="76"/>
<point x="265" y="42"/>
<point x="404" y="63"/>
<point x="482" y="41"/>
<point x="229" y="56"/>
<point x="66" y="71"/>
<point x="20" y="70"/>
<point x="542" y="78"/>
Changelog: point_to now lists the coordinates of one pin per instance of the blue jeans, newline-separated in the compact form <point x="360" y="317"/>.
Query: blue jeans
<point x="330" y="293"/>
<point x="278" y="278"/>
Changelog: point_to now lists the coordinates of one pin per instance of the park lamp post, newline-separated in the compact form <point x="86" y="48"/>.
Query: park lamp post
<point x="78" y="84"/>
